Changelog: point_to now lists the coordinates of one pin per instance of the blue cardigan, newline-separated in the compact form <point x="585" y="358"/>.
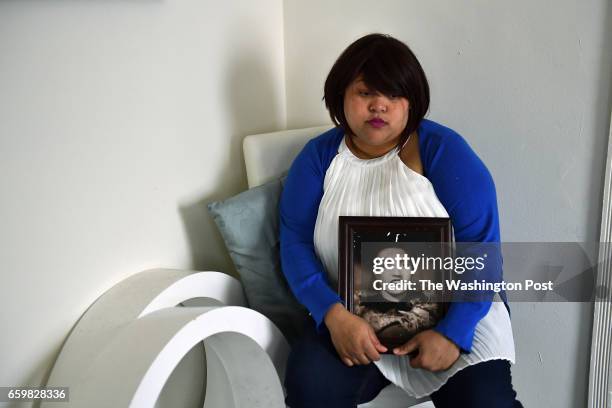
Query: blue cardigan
<point x="461" y="181"/>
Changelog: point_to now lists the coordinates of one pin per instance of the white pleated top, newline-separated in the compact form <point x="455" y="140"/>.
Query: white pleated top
<point x="385" y="186"/>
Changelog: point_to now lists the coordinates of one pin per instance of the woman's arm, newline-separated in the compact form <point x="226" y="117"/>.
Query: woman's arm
<point x="353" y="338"/>
<point x="299" y="206"/>
<point x="467" y="191"/>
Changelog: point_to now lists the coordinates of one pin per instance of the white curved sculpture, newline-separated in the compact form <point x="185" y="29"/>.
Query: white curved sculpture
<point x="127" y="345"/>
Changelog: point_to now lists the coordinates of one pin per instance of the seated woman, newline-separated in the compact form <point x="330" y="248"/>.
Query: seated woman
<point x="384" y="159"/>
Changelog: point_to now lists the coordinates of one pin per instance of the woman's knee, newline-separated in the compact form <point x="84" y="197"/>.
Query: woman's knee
<point x="308" y="370"/>
<point x="486" y="384"/>
<point x="315" y="376"/>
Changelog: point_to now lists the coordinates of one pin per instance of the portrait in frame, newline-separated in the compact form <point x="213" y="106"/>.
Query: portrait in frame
<point x="385" y="275"/>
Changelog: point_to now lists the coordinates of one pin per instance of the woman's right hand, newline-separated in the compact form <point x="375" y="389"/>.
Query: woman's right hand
<point x="353" y="338"/>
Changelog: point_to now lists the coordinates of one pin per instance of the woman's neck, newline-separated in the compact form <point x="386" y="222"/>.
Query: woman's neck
<point x="366" y="151"/>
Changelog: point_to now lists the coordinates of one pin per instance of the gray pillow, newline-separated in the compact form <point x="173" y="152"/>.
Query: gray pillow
<point x="249" y="224"/>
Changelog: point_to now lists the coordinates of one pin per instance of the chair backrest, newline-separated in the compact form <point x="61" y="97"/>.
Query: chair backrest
<point x="268" y="155"/>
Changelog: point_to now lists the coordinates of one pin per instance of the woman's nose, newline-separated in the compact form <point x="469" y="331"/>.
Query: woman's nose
<point x="378" y="104"/>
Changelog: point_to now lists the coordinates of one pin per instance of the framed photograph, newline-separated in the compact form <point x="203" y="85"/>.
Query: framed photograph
<point x="391" y="273"/>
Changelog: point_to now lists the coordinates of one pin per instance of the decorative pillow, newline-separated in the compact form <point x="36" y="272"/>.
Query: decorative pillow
<point x="249" y="225"/>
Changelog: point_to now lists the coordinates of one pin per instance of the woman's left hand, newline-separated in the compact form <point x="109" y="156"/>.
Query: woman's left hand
<point x="435" y="352"/>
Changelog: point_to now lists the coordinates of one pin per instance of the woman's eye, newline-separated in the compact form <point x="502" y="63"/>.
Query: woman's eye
<point x="364" y="93"/>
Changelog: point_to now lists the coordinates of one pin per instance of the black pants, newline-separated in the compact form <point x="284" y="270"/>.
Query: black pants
<point x="317" y="378"/>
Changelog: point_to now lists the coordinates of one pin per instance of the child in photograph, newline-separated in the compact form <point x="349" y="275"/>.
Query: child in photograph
<point x="395" y="314"/>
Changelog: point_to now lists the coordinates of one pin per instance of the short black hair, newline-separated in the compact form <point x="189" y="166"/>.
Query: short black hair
<point x="386" y="65"/>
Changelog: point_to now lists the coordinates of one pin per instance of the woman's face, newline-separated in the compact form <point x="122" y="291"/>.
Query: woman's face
<point x="377" y="120"/>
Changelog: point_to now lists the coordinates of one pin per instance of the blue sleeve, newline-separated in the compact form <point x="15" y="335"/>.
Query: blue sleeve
<point x="466" y="189"/>
<point x="299" y="206"/>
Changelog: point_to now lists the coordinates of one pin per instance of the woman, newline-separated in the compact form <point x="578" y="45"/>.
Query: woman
<point x="384" y="159"/>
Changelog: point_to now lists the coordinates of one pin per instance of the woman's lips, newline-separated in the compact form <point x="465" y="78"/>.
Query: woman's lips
<point x="377" y="122"/>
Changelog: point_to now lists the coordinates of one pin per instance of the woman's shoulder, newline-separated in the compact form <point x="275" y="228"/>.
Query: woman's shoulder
<point x="439" y="144"/>
<point x="321" y="149"/>
<point x="434" y="134"/>
<point x="328" y="140"/>
<point x="318" y="152"/>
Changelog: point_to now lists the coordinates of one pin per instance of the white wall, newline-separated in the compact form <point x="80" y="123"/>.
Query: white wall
<point x="528" y="83"/>
<point x="119" y="121"/>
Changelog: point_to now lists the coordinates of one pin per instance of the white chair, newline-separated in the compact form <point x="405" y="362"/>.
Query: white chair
<point x="267" y="156"/>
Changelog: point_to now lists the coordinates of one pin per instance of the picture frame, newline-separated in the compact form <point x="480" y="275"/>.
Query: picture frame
<point x="377" y="258"/>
